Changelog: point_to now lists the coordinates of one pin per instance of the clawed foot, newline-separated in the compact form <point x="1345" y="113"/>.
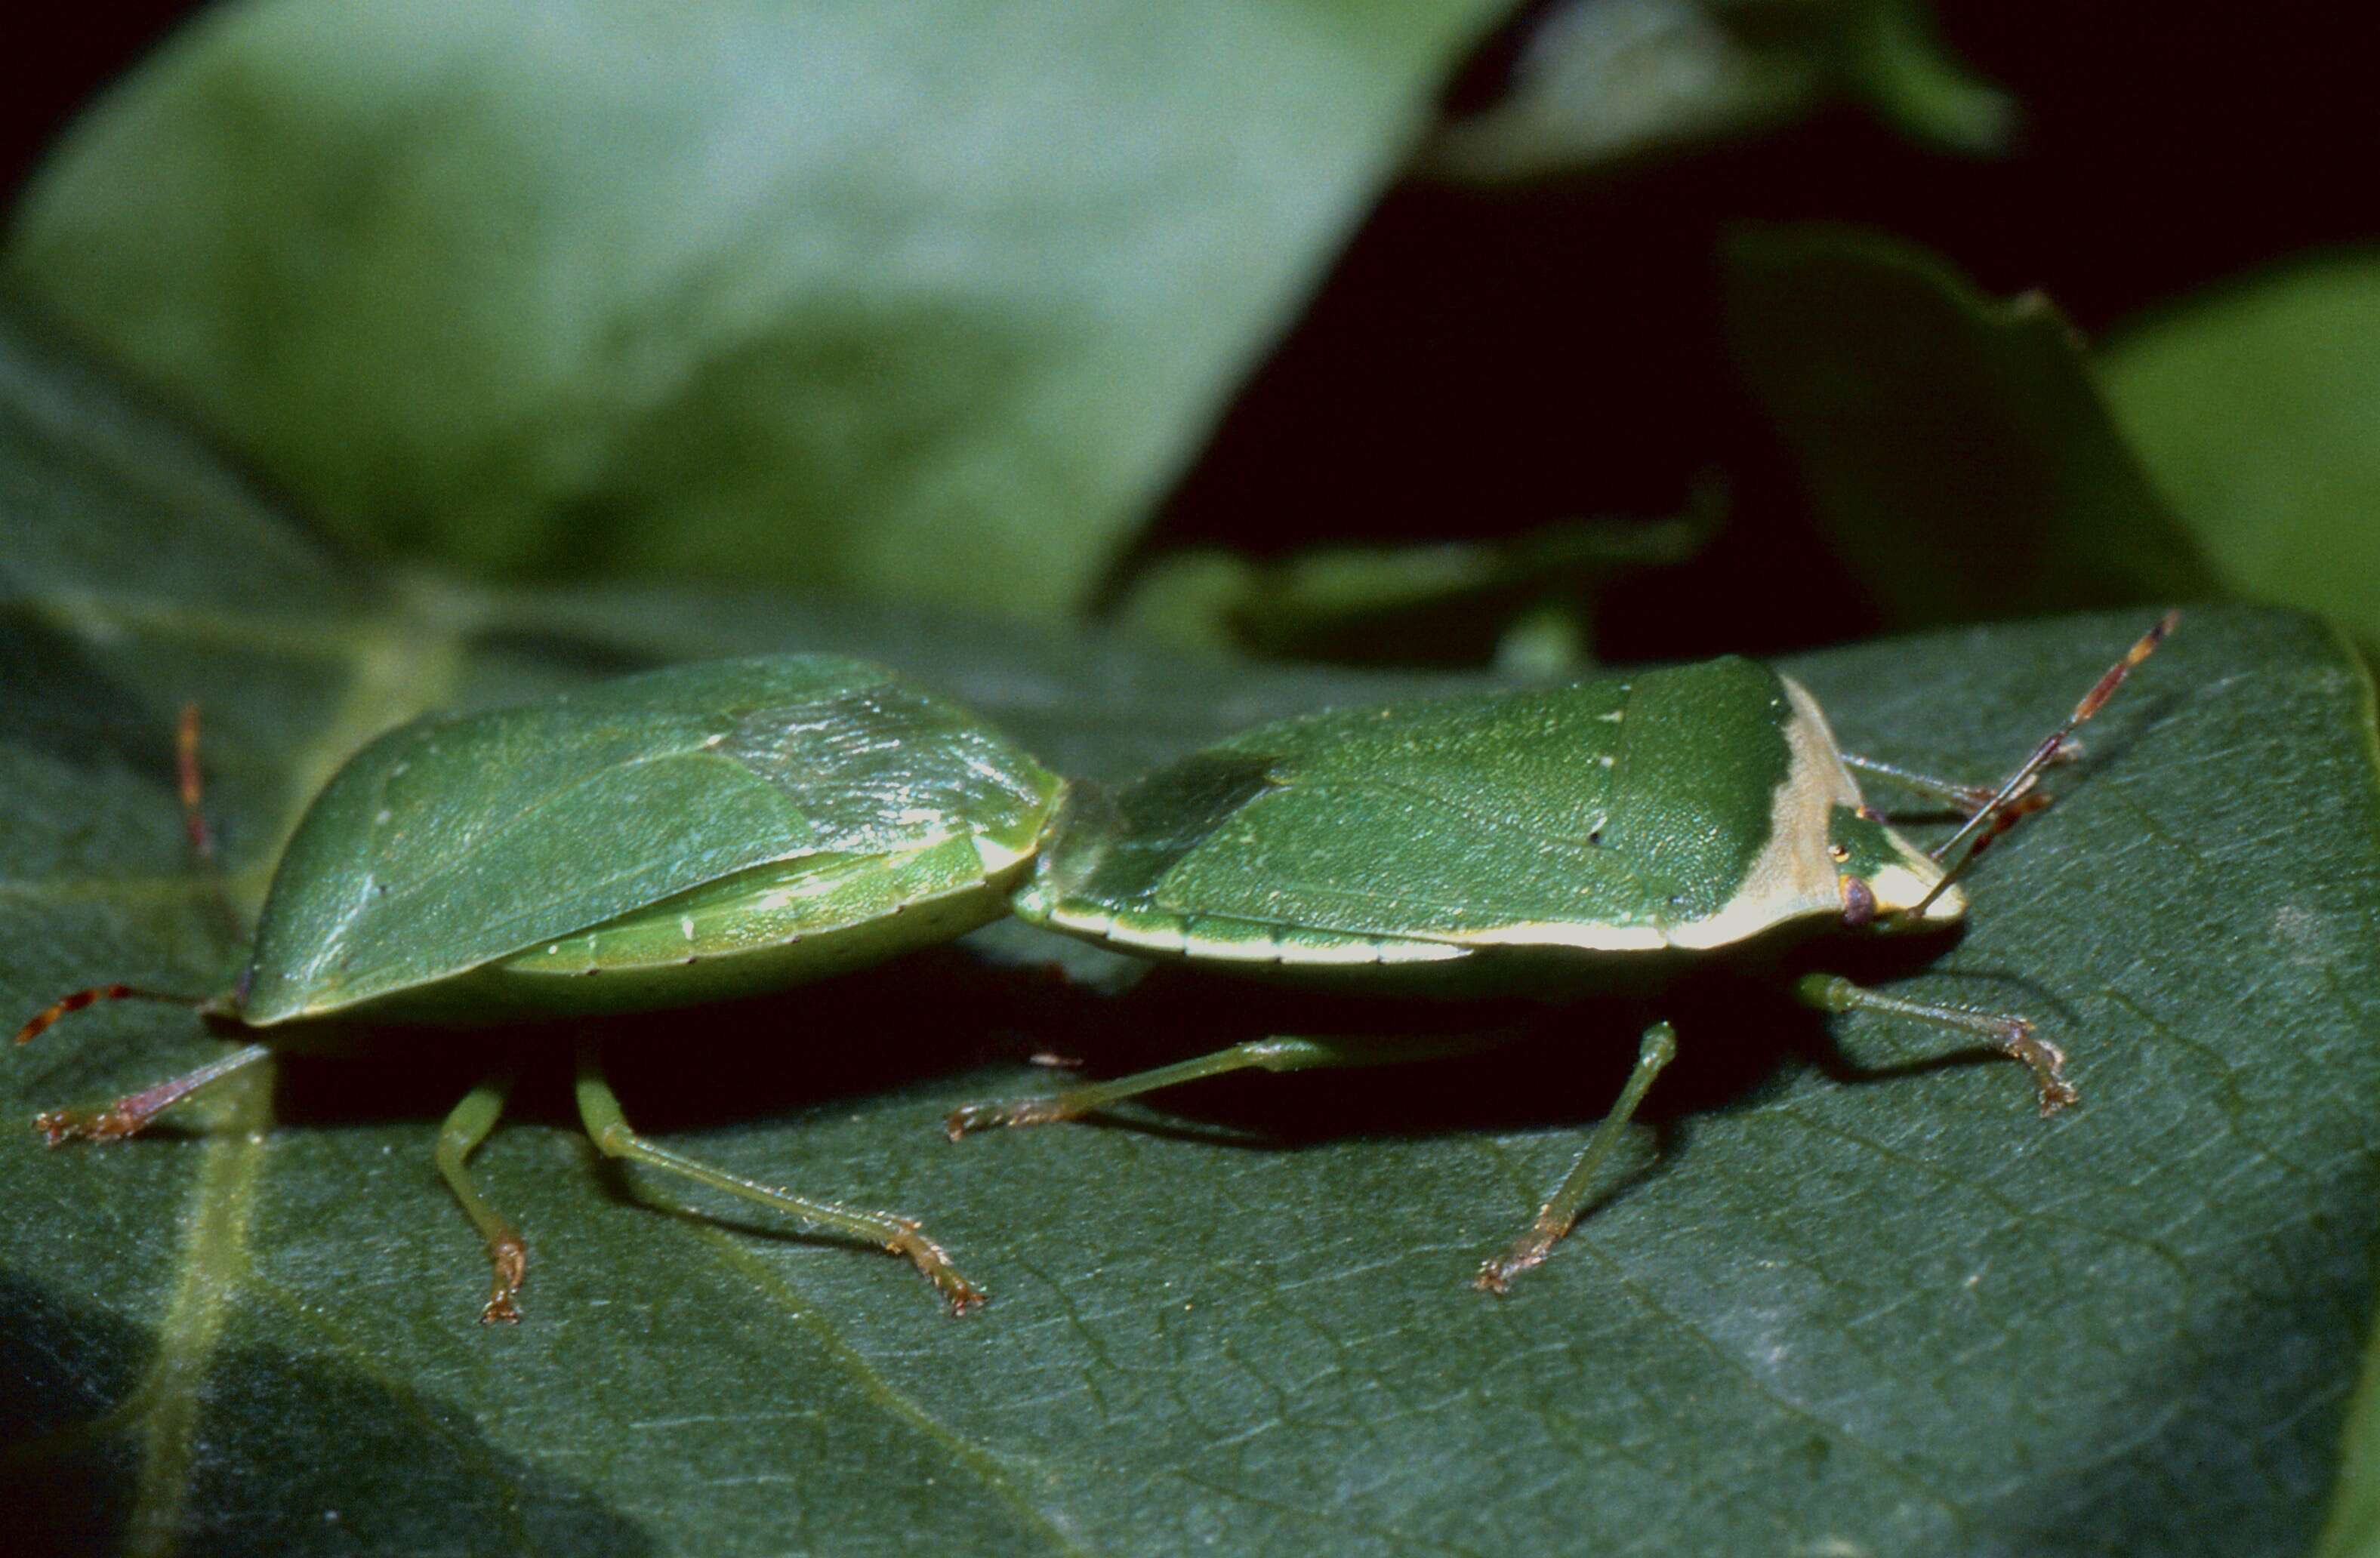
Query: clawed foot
<point x="510" y="1258"/>
<point x="962" y="1296"/>
<point x="59" y="1126"/>
<point x="983" y="1117"/>
<point x="1496" y="1275"/>
<point x="2046" y="1061"/>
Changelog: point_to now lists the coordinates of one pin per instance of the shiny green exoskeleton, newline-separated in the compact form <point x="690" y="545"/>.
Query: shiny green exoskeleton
<point x="1604" y="835"/>
<point x="688" y="835"/>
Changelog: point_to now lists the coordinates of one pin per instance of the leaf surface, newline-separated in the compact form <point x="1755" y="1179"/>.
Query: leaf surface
<point x="1600" y="86"/>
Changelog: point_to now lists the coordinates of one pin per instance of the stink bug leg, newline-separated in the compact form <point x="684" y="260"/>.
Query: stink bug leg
<point x="1655" y="1050"/>
<point x="2012" y="1036"/>
<point x="1279" y="1054"/>
<point x="1658" y="1047"/>
<point x="466" y="1126"/>
<point x="132" y="1114"/>
<point x="901" y="1236"/>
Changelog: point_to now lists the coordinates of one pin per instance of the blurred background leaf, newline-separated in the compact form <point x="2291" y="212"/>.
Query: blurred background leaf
<point x="2257" y="408"/>
<point x="1600" y="84"/>
<point x="1955" y="449"/>
<point x="922" y="301"/>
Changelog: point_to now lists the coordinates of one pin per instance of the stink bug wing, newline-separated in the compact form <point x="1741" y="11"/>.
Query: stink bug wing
<point x="1614" y="803"/>
<point x="453" y="842"/>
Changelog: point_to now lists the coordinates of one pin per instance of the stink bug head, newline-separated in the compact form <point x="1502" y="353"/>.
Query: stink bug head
<point x="1886" y="883"/>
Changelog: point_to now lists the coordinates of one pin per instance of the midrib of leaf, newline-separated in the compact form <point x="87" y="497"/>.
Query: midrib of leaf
<point x="212" y="1262"/>
<point x="396" y="674"/>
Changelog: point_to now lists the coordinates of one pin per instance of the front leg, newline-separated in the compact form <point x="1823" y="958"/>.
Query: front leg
<point x="2012" y="1036"/>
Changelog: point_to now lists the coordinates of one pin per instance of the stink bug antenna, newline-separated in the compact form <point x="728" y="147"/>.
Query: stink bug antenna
<point x="189" y="786"/>
<point x="43" y="1018"/>
<point x="1961" y="848"/>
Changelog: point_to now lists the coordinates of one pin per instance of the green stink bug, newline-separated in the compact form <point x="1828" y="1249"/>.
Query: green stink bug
<point x="687" y="835"/>
<point x="1606" y="835"/>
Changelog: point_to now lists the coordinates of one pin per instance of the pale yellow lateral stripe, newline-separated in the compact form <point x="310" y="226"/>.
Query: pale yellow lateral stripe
<point x="1173" y="940"/>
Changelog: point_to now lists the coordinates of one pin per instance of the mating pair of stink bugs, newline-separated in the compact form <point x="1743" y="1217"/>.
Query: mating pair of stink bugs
<point x="727" y="828"/>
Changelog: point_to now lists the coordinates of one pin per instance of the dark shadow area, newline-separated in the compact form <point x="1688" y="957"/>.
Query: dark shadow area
<point x="61" y="1367"/>
<point x="872" y="1030"/>
<point x="290" y="1456"/>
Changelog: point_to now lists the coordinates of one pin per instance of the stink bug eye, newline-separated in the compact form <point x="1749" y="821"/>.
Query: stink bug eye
<point x="1611" y="834"/>
<point x="684" y="836"/>
<point x="1859" y="902"/>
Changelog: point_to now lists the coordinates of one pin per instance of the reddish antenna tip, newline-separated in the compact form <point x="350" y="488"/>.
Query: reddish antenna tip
<point x="42" y="1020"/>
<point x="1986" y="823"/>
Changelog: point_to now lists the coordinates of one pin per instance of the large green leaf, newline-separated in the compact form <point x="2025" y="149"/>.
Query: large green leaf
<point x="2258" y="408"/>
<point x="1860" y="1298"/>
<point x="900" y="299"/>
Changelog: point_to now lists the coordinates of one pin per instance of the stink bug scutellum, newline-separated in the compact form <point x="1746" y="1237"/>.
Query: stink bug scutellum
<point x="687" y="835"/>
<point x="1611" y="833"/>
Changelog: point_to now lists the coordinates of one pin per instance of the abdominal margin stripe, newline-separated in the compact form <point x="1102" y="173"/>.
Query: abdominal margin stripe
<point x="1177" y="940"/>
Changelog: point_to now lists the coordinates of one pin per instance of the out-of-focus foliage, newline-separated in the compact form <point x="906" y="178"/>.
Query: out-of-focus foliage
<point x="1602" y="84"/>
<point x="2257" y="411"/>
<point x="1526" y="604"/>
<point x="921" y="301"/>
<point x="1955" y="447"/>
